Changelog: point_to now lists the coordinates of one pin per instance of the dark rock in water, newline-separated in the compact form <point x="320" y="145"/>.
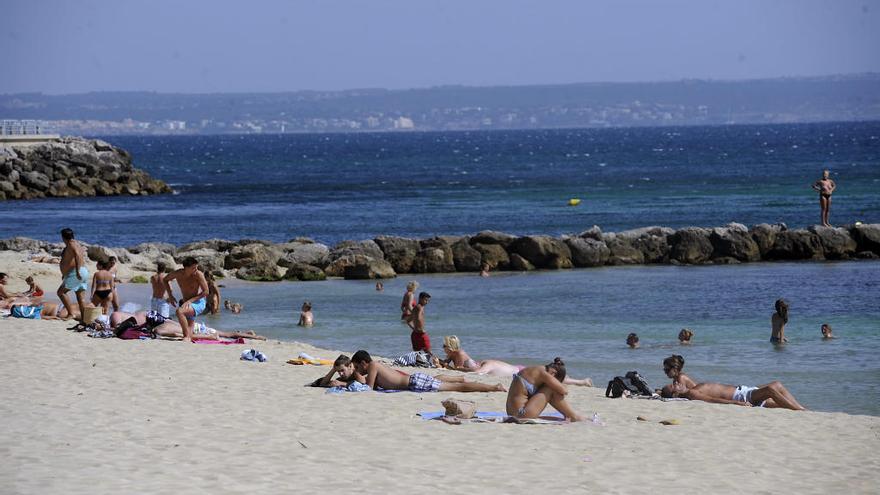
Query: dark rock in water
<point x="734" y="241"/>
<point x="867" y="236"/>
<point x="796" y="245"/>
<point x="260" y="273"/>
<point x="587" y="251"/>
<point x="726" y="260"/>
<point x="493" y="254"/>
<point x="651" y="241"/>
<point x="690" y="245"/>
<point x="349" y="248"/>
<point x="435" y="256"/>
<point x="73" y="167"/>
<point x="492" y="237"/>
<point x="519" y="264"/>
<point x="764" y="236"/>
<point x="304" y="273"/>
<point x="836" y="242"/>
<point x="399" y="251"/>
<point x="542" y="251"/>
<point x="465" y="257"/>
<point x="209" y="259"/>
<point x="220" y="245"/>
<point x="365" y="267"/>
<point x="593" y="232"/>
<point x="621" y="250"/>
<point x="253" y="256"/>
<point x="303" y="253"/>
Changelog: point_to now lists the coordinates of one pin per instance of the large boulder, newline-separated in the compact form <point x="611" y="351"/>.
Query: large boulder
<point x="435" y="256"/>
<point x="22" y="244"/>
<point x="651" y="241"/>
<point x="35" y="180"/>
<point x="220" y="245"/>
<point x="493" y="254"/>
<point x="252" y="255"/>
<point x="365" y="267"/>
<point x="147" y="260"/>
<point x="209" y="259"/>
<point x="351" y="248"/>
<point x="162" y="247"/>
<point x="796" y="244"/>
<point x="542" y="251"/>
<point x="101" y="253"/>
<point x="690" y="245"/>
<point x="764" y="236"/>
<point x="493" y="237"/>
<point x="867" y="236"/>
<point x="304" y="273"/>
<point x="399" y="251"/>
<point x="587" y="251"/>
<point x="260" y="273"/>
<point x="734" y="241"/>
<point x="594" y="232"/>
<point x="310" y="253"/>
<point x="519" y="264"/>
<point x="465" y="257"/>
<point x="621" y="250"/>
<point x="836" y="242"/>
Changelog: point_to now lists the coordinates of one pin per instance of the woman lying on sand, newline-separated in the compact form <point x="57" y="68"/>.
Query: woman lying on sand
<point x="673" y="366"/>
<point x="534" y="387"/>
<point x="172" y="330"/>
<point x="458" y="359"/>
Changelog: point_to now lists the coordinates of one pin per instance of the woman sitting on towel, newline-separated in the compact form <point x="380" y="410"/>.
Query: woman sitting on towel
<point x="535" y="387"/>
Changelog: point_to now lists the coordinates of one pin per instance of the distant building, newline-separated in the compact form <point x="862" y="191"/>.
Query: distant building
<point x="403" y="123"/>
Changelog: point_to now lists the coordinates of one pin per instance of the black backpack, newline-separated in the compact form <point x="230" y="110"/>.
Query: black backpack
<point x="632" y="383"/>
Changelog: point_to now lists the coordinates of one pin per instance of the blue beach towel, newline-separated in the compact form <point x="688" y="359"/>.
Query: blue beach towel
<point x="429" y="415"/>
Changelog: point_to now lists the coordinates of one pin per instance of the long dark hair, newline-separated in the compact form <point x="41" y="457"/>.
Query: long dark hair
<point x="674" y="362"/>
<point x="782" y="309"/>
<point x="559" y="366"/>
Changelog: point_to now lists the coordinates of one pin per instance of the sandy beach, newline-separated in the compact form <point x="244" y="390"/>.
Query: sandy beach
<point x="102" y="416"/>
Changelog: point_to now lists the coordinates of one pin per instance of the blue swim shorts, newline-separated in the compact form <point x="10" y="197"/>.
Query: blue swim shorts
<point x="198" y="307"/>
<point x="71" y="282"/>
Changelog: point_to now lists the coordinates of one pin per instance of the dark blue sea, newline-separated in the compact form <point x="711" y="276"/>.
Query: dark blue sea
<point x="357" y="186"/>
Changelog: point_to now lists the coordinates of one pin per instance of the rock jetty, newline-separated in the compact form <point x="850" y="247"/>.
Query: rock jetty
<point x="70" y="167"/>
<point x="387" y="256"/>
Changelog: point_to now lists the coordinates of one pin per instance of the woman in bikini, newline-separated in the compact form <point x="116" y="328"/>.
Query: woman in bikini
<point x="533" y="388"/>
<point x="409" y="300"/>
<point x="102" y="287"/>
<point x="456" y="358"/>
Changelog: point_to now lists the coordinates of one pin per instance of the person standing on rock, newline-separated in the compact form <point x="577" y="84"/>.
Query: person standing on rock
<point x="419" y="338"/>
<point x="825" y="186"/>
<point x="193" y="288"/>
<point x="74" y="274"/>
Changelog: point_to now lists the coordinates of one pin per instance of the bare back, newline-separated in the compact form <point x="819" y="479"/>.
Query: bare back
<point x="777" y="324"/>
<point x="710" y="390"/>
<point x="387" y="378"/>
<point x="158" y="283"/>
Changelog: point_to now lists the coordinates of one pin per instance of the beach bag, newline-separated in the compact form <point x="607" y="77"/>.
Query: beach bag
<point x="630" y="384"/>
<point x="91" y="314"/>
<point x="130" y="330"/>
<point x="461" y="409"/>
<point x="636" y="380"/>
<point x="30" y="312"/>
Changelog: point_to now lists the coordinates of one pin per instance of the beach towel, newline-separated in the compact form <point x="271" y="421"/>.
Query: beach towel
<point x="354" y="386"/>
<point x="222" y="341"/>
<point x="313" y="361"/>
<point x="498" y="417"/>
<point x="420" y="359"/>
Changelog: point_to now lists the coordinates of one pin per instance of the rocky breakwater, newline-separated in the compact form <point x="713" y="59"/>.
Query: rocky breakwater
<point x="71" y="167"/>
<point x="302" y="259"/>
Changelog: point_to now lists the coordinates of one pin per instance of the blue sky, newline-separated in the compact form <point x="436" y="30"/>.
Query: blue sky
<point x="200" y="46"/>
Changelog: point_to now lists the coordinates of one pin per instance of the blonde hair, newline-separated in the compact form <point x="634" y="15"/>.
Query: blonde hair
<point x="452" y="342"/>
<point x="412" y="285"/>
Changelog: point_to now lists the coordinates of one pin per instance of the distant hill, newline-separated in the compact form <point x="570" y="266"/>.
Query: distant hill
<point x="687" y="102"/>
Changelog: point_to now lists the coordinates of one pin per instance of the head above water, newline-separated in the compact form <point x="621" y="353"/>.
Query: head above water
<point x="826" y="330"/>
<point x="557" y="369"/>
<point x="307" y="306"/>
<point x="782" y="309"/>
<point x="632" y="340"/>
<point x="451" y="343"/>
<point x="685" y="335"/>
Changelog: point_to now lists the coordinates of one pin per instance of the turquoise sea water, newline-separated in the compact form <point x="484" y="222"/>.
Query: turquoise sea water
<point x="584" y="315"/>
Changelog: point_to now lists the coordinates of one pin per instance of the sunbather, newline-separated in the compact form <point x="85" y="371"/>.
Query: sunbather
<point x="172" y="330"/>
<point x="535" y="387"/>
<point x="495" y="367"/>
<point x="773" y="394"/>
<point x="673" y="366"/>
<point x="376" y="375"/>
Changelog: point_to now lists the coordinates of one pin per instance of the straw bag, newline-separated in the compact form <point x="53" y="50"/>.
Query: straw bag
<point x="90" y="315"/>
<point x="462" y="409"/>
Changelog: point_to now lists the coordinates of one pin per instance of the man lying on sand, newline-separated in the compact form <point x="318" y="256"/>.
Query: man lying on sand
<point x="771" y="395"/>
<point x="378" y="375"/>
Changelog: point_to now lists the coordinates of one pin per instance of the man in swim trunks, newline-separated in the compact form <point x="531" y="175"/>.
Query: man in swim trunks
<point x="377" y="375"/>
<point x="74" y="274"/>
<point x="419" y="338"/>
<point x="157" y="301"/>
<point x="773" y="394"/>
<point x="194" y="289"/>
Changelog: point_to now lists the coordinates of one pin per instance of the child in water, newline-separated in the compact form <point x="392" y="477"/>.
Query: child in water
<point x="306" y="319"/>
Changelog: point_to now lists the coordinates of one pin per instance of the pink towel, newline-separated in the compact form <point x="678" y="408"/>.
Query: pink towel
<point x="239" y="340"/>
